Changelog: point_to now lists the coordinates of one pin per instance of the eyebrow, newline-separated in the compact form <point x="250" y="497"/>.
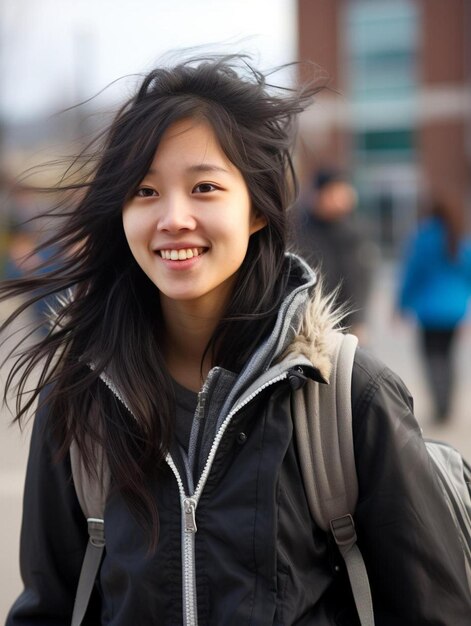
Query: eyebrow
<point x="207" y="167"/>
<point x="200" y="168"/>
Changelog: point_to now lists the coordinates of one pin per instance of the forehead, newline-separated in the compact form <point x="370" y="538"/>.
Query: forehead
<point x="190" y="139"/>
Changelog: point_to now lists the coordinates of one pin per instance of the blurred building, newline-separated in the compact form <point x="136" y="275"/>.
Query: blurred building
<point x="398" y="114"/>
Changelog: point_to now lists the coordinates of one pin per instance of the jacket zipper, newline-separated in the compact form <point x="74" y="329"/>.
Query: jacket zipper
<point x="188" y="512"/>
<point x="189" y="505"/>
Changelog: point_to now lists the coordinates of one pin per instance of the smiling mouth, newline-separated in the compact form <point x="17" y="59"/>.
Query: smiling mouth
<point x="182" y="254"/>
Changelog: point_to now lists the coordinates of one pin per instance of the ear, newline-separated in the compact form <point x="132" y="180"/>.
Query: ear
<point x="257" y="222"/>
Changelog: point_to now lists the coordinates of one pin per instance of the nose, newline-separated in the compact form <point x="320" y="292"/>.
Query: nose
<point x="175" y="216"/>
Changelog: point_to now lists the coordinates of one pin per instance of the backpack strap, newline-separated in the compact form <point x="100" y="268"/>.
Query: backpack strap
<point x="91" y="492"/>
<point x="322" y="416"/>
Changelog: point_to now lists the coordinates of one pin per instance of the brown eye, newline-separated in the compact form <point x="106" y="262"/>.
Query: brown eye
<point x="205" y="188"/>
<point x="146" y="192"/>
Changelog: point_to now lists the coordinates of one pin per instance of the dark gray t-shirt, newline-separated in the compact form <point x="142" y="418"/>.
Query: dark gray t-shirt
<point x="185" y="404"/>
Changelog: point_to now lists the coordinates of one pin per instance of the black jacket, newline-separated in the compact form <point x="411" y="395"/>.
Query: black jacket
<point x="260" y="560"/>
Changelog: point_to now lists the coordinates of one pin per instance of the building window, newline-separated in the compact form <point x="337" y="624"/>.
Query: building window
<point x="382" y="53"/>
<point x="387" y="143"/>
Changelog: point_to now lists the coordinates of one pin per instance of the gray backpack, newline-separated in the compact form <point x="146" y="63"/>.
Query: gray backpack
<point x="329" y="472"/>
<point x="329" y="475"/>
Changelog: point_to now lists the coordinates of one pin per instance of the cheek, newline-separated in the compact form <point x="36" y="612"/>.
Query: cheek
<point x="134" y="227"/>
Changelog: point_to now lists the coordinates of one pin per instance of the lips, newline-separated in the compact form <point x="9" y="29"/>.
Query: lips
<point x="180" y="254"/>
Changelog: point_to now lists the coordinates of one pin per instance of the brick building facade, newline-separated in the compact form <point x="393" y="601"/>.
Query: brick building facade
<point x="397" y="113"/>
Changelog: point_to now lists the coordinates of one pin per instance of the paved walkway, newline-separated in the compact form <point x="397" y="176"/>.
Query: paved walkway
<point x="391" y="341"/>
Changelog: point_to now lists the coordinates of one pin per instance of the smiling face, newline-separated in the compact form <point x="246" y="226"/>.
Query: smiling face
<point x="189" y="222"/>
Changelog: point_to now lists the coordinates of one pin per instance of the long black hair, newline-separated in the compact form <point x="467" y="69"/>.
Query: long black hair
<point x="112" y="321"/>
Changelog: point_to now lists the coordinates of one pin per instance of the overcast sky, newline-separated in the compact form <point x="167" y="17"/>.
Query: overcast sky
<point x="54" y="53"/>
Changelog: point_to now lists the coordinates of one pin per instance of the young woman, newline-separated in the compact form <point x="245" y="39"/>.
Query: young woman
<point x="167" y="355"/>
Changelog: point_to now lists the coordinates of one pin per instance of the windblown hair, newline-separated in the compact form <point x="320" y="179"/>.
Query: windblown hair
<point x="113" y="322"/>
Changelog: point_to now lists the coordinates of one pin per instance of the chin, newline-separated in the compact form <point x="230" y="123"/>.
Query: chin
<point x="180" y="296"/>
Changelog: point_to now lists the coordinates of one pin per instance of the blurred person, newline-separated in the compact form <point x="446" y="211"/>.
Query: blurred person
<point x="26" y="257"/>
<point x="22" y="257"/>
<point x="327" y="236"/>
<point x="188" y="330"/>
<point x="435" y="288"/>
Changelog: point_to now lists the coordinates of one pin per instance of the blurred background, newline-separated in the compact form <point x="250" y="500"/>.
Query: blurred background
<point x="395" y="120"/>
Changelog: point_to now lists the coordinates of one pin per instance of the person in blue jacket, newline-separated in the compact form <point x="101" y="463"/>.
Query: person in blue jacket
<point x="435" y="288"/>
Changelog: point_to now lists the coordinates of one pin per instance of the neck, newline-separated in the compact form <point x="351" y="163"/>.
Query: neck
<point x="187" y="333"/>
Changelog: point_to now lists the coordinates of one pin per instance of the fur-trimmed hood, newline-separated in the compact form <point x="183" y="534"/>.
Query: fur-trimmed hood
<point x="301" y="336"/>
<point x="313" y="338"/>
<point x="308" y="321"/>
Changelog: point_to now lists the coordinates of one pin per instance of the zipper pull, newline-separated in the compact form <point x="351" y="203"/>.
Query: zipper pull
<point x="189" y="508"/>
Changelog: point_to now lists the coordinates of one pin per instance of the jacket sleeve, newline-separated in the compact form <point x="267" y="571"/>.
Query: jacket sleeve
<point x="53" y="536"/>
<point x="405" y="531"/>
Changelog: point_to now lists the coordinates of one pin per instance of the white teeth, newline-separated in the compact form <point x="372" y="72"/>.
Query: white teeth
<point x="182" y="254"/>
